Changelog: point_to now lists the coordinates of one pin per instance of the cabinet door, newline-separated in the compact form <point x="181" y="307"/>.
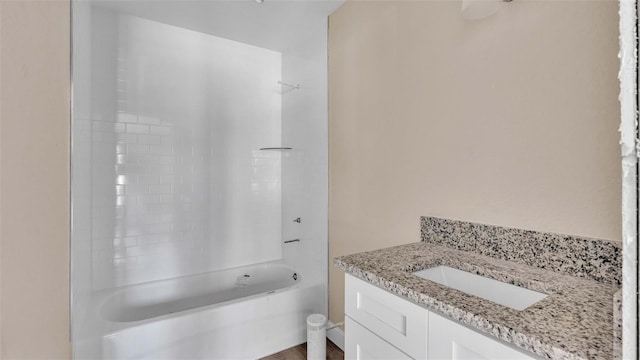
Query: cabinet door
<point x="452" y="341"/>
<point x="362" y="344"/>
<point x="401" y="323"/>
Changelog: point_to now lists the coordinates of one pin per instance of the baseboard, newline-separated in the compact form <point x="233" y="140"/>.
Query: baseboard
<point x="336" y="335"/>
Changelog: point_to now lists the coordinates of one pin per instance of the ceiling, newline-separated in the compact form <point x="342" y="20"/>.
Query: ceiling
<point x="274" y="24"/>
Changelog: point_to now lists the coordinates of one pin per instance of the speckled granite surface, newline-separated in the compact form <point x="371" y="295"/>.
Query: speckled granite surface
<point x="595" y="259"/>
<point x="617" y="325"/>
<point x="574" y="322"/>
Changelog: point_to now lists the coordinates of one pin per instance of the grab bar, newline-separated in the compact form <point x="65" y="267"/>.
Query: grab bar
<point x="296" y="86"/>
<point x="290" y="241"/>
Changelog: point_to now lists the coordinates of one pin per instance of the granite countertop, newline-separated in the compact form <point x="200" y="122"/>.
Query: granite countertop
<point x="575" y="320"/>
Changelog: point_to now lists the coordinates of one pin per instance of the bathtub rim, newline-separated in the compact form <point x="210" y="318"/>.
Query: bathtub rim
<point x="94" y="325"/>
<point x="120" y="290"/>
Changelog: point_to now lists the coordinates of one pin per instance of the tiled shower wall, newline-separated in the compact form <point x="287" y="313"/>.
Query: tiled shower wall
<point x="178" y="184"/>
<point x="305" y="168"/>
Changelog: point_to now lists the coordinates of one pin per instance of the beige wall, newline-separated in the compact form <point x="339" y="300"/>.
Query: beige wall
<point x="511" y="120"/>
<point x="34" y="181"/>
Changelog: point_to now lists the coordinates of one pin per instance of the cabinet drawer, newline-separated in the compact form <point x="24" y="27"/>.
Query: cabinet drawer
<point x="362" y="344"/>
<point x="450" y="340"/>
<point x="400" y="322"/>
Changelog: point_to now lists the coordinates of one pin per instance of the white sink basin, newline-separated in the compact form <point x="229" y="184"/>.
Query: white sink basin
<point x="509" y="295"/>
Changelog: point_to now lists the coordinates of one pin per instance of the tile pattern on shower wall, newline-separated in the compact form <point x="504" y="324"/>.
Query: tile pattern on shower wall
<point x="176" y="179"/>
<point x="305" y="167"/>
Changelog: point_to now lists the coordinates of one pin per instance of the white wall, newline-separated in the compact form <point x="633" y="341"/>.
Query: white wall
<point x="305" y="168"/>
<point x="81" y="164"/>
<point x="178" y="185"/>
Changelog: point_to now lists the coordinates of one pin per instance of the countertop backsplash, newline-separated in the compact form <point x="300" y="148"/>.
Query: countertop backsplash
<point x="588" y="258"/>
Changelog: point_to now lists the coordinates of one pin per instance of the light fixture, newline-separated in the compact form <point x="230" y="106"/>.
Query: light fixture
<point x="480" y="9"/>
<point x="259" y="1"/>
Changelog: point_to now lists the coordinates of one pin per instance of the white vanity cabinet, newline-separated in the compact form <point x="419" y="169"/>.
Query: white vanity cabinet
<point x="450" y="340"/>
<point x="388" y="317"/>
<point x="381" y="325"/>
<point x="362" y="344"/>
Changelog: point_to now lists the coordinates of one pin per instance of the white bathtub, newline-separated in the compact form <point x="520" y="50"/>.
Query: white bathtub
<point x="241" y="313"/>
<point x="164" y="297"/>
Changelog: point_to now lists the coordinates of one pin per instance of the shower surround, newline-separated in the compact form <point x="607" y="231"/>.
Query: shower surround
<point x="170" y="185"/>
<point x="189" y="115"/>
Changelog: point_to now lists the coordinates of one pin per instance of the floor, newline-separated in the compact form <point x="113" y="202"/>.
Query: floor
<point x="300" y="353"/>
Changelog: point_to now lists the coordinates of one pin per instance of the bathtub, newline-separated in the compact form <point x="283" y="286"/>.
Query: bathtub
<point x="164" y="297"/>
<point x="241" y="313"/>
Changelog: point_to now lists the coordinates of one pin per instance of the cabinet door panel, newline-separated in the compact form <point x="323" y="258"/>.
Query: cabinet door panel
<point x="452" y="341"/>
<point x="402" y="323"/>
<point x="362" y="344"/>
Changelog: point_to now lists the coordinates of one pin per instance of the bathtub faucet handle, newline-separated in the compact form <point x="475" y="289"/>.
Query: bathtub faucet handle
<point x="297" y="220"/>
